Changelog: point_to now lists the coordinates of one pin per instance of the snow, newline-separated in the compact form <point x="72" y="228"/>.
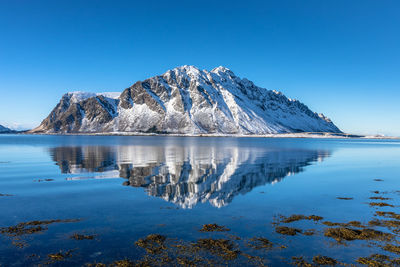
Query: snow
<point x="198" y="101"/>
<point x="79" y="96"/>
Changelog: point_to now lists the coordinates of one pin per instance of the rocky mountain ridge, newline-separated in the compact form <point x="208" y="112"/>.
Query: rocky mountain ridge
<point x="185" y="100"/>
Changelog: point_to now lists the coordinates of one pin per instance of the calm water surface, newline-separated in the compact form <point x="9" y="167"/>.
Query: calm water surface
<point x="124" y="188"/>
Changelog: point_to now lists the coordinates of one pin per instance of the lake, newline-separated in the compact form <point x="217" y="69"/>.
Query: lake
<point x="193" y="201"/>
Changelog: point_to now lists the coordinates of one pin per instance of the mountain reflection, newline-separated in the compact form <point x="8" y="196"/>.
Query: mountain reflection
<point x="187" y="175"/>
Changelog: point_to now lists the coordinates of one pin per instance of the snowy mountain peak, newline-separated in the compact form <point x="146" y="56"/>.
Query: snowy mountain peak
<point x="187" y="70"/>
<point x="78" y="96"/>
<point x="186" y="100"/>
<point x="223" y="71"/>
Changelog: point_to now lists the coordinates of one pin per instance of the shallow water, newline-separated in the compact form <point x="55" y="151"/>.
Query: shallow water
<point x="124" y="188"/>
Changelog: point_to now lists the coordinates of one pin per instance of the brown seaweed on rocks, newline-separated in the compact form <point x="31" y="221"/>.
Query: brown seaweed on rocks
<point x="380" y="198"/>
<point x="317" y="260"/>
<point x="77" y="236"/>
<point x="31" y="227"/>
<point x="392" y="248"/>
<point x="213" y="227"/>
<point x="124" y="263"/>
<point x="153" y="243"/>
<point x="259" y="243"/>
<point x="284" y="230"/>
<point x="60" y="255"/>
<point x="380" y="204"/>
<point x="351" y="223"/>
<point x="309" y="232"/>
<point x="349" y="234"/>
<point x="324" y="260"/>
<point x="221" y="247"/>
<point x="386" y="223"/>
<point x="388" y="214"/>
<point x="300" y="261"/>
<point x="298" y="217"/>
<point x="378" y="260"/>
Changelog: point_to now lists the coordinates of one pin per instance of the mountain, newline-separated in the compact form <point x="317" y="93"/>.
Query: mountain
<point x="187" y="174"/>
<point x="5" y="130"/>
<point x="185" y="100"/>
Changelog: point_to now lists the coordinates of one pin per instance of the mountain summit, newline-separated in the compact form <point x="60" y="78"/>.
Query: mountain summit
<point x="185" y="100"/>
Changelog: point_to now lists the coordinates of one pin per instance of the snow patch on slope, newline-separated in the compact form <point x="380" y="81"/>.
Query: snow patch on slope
<point x="79" y="96"/>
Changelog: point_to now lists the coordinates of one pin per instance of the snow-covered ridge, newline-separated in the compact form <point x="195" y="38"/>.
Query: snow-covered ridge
<point x="186" y="100"/>
<point x="79" y="96"/>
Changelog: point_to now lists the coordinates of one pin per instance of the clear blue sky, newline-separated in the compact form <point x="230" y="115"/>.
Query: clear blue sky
<point x="340" y="57"/>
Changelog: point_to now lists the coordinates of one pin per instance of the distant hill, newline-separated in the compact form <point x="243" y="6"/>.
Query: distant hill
<point x="5" y="130"/>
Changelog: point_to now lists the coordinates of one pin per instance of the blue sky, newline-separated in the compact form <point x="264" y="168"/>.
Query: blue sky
<point x="339" y="57"/>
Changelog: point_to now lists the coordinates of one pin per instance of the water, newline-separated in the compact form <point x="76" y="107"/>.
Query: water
<point x="124" y="188"/>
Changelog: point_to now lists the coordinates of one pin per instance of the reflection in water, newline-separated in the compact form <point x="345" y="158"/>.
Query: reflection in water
<point x="186" y="175"/>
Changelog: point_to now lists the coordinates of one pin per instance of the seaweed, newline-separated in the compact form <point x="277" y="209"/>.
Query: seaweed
<point x="392" y="248"/>
<point x="259" y="243"/>
<point x="284" y="230"/>
<point x="123" y="263"/>
<point x="298" y="217"/>
<point x="378" y="260"/>
<point x="380" y="192"/>
<point x="349" y="234"/>
<point x="345" y="198"/>
<point x="385" y="223"/>
<point x="213" y="227"/>
<point x="19" y="244"/>
<point x="60" y="255"/>
<point x="32" y="227"/>
<point x="380" y="204"/>
<point x="153" y="243"/>
<point x="96" y="264"/>
<point x="380" y="198"/>
<point x="324" y="260"/>
<point x="309" y="232"/>
<point x="388" y="214"/>
<point x="77" y="236"/>
<point x="185" y="261"/>
<point x="221" y="247"/>
<point x="300" y="261"/>
<point x="351" y="223"/>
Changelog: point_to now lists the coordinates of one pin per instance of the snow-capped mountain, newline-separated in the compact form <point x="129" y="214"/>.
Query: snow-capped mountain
<point x="185" y="100"/>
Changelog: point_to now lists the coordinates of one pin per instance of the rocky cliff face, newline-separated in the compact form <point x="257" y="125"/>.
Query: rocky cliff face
<point x="185" y="100"/>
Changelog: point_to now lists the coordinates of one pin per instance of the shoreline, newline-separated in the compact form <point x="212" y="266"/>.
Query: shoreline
<point x="310" y="135"/>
